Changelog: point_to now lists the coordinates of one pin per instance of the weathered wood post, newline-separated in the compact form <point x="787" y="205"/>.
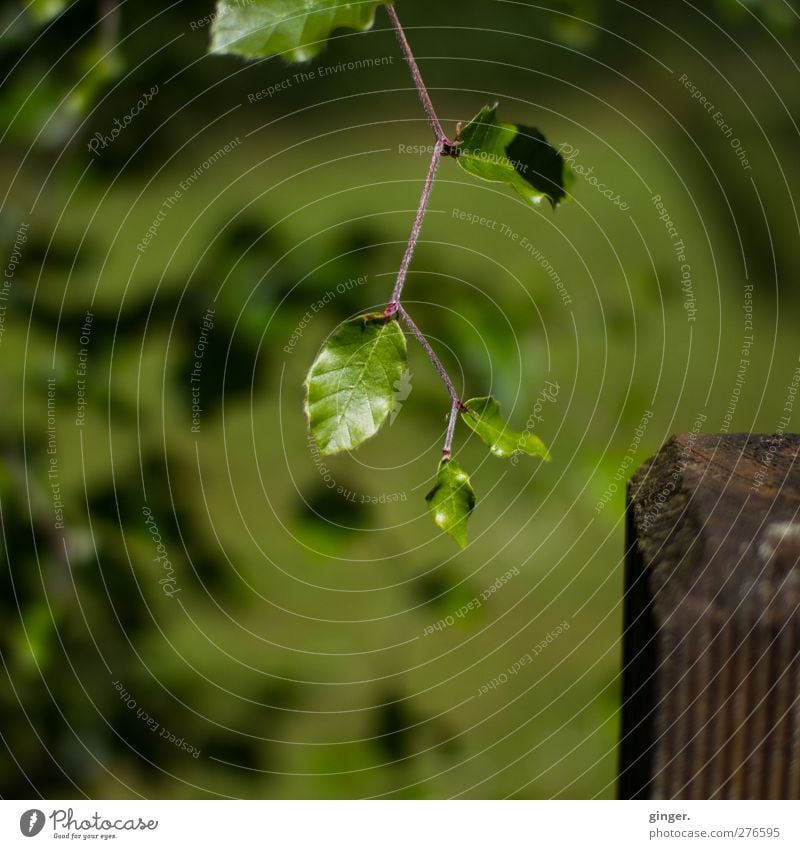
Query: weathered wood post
<point x="711" y="680"/>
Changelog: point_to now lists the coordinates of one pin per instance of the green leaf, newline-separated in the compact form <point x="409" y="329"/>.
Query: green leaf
<point x="483" y="416"/>
<point x="513" y="154"/>
<point x="297" y="29"/>
<point x="350" y="386"/>
<point x="451" y="501"/>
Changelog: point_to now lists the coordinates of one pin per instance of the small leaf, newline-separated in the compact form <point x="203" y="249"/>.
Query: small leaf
<point x="513" y="154"/>
<point x="451" y="501"/>
<point x="297" y="29"/>
<point x="483" y="416"/>
<point x="350" y="386"/>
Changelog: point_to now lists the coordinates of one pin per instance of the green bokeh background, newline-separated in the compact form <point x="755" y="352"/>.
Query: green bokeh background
<point x="299" y="656"/>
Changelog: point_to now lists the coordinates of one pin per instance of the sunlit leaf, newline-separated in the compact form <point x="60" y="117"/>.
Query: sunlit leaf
<point x="351" y="385"/>
<point x="513" y="154"/>
<point x="451" y="501"/>
<point x="296" y="29"/>
<point x="483" y="416"/>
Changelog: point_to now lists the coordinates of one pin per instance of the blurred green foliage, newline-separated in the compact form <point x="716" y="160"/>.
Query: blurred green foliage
<point x="298" y="656"/>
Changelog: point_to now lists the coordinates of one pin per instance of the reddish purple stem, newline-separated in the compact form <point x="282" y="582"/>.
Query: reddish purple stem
<point x="455" y="408"/>
<point x="442" y="146"/>
<point x="416" y="228"/>
<point x="427" y="104"/>
<point x="451" y="389"/>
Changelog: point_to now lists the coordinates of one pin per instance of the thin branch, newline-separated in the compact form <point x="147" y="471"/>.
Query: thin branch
<point x="455" y="408"/>
<point x="427" y="104"/>
<point x="451" y="389"/>
<point x="416" y="227"/>
<point x="442" y="147"/>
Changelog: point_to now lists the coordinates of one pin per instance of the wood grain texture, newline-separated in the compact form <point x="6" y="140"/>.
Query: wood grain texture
<point x="711" y="680"/>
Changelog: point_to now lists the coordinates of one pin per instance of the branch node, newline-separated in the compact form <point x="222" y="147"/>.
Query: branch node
<point x="450" y="148"/>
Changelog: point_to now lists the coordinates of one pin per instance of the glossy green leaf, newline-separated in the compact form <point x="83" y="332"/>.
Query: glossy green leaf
<point x="513" y="154"/>
<point x="451" y="501"/>
<point x="483" y="416"/>
<point x="296" y="29"/>
<point x="351" y="385"/>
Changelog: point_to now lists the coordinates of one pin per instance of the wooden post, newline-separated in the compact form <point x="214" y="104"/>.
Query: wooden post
<point x="711" y="646"/>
